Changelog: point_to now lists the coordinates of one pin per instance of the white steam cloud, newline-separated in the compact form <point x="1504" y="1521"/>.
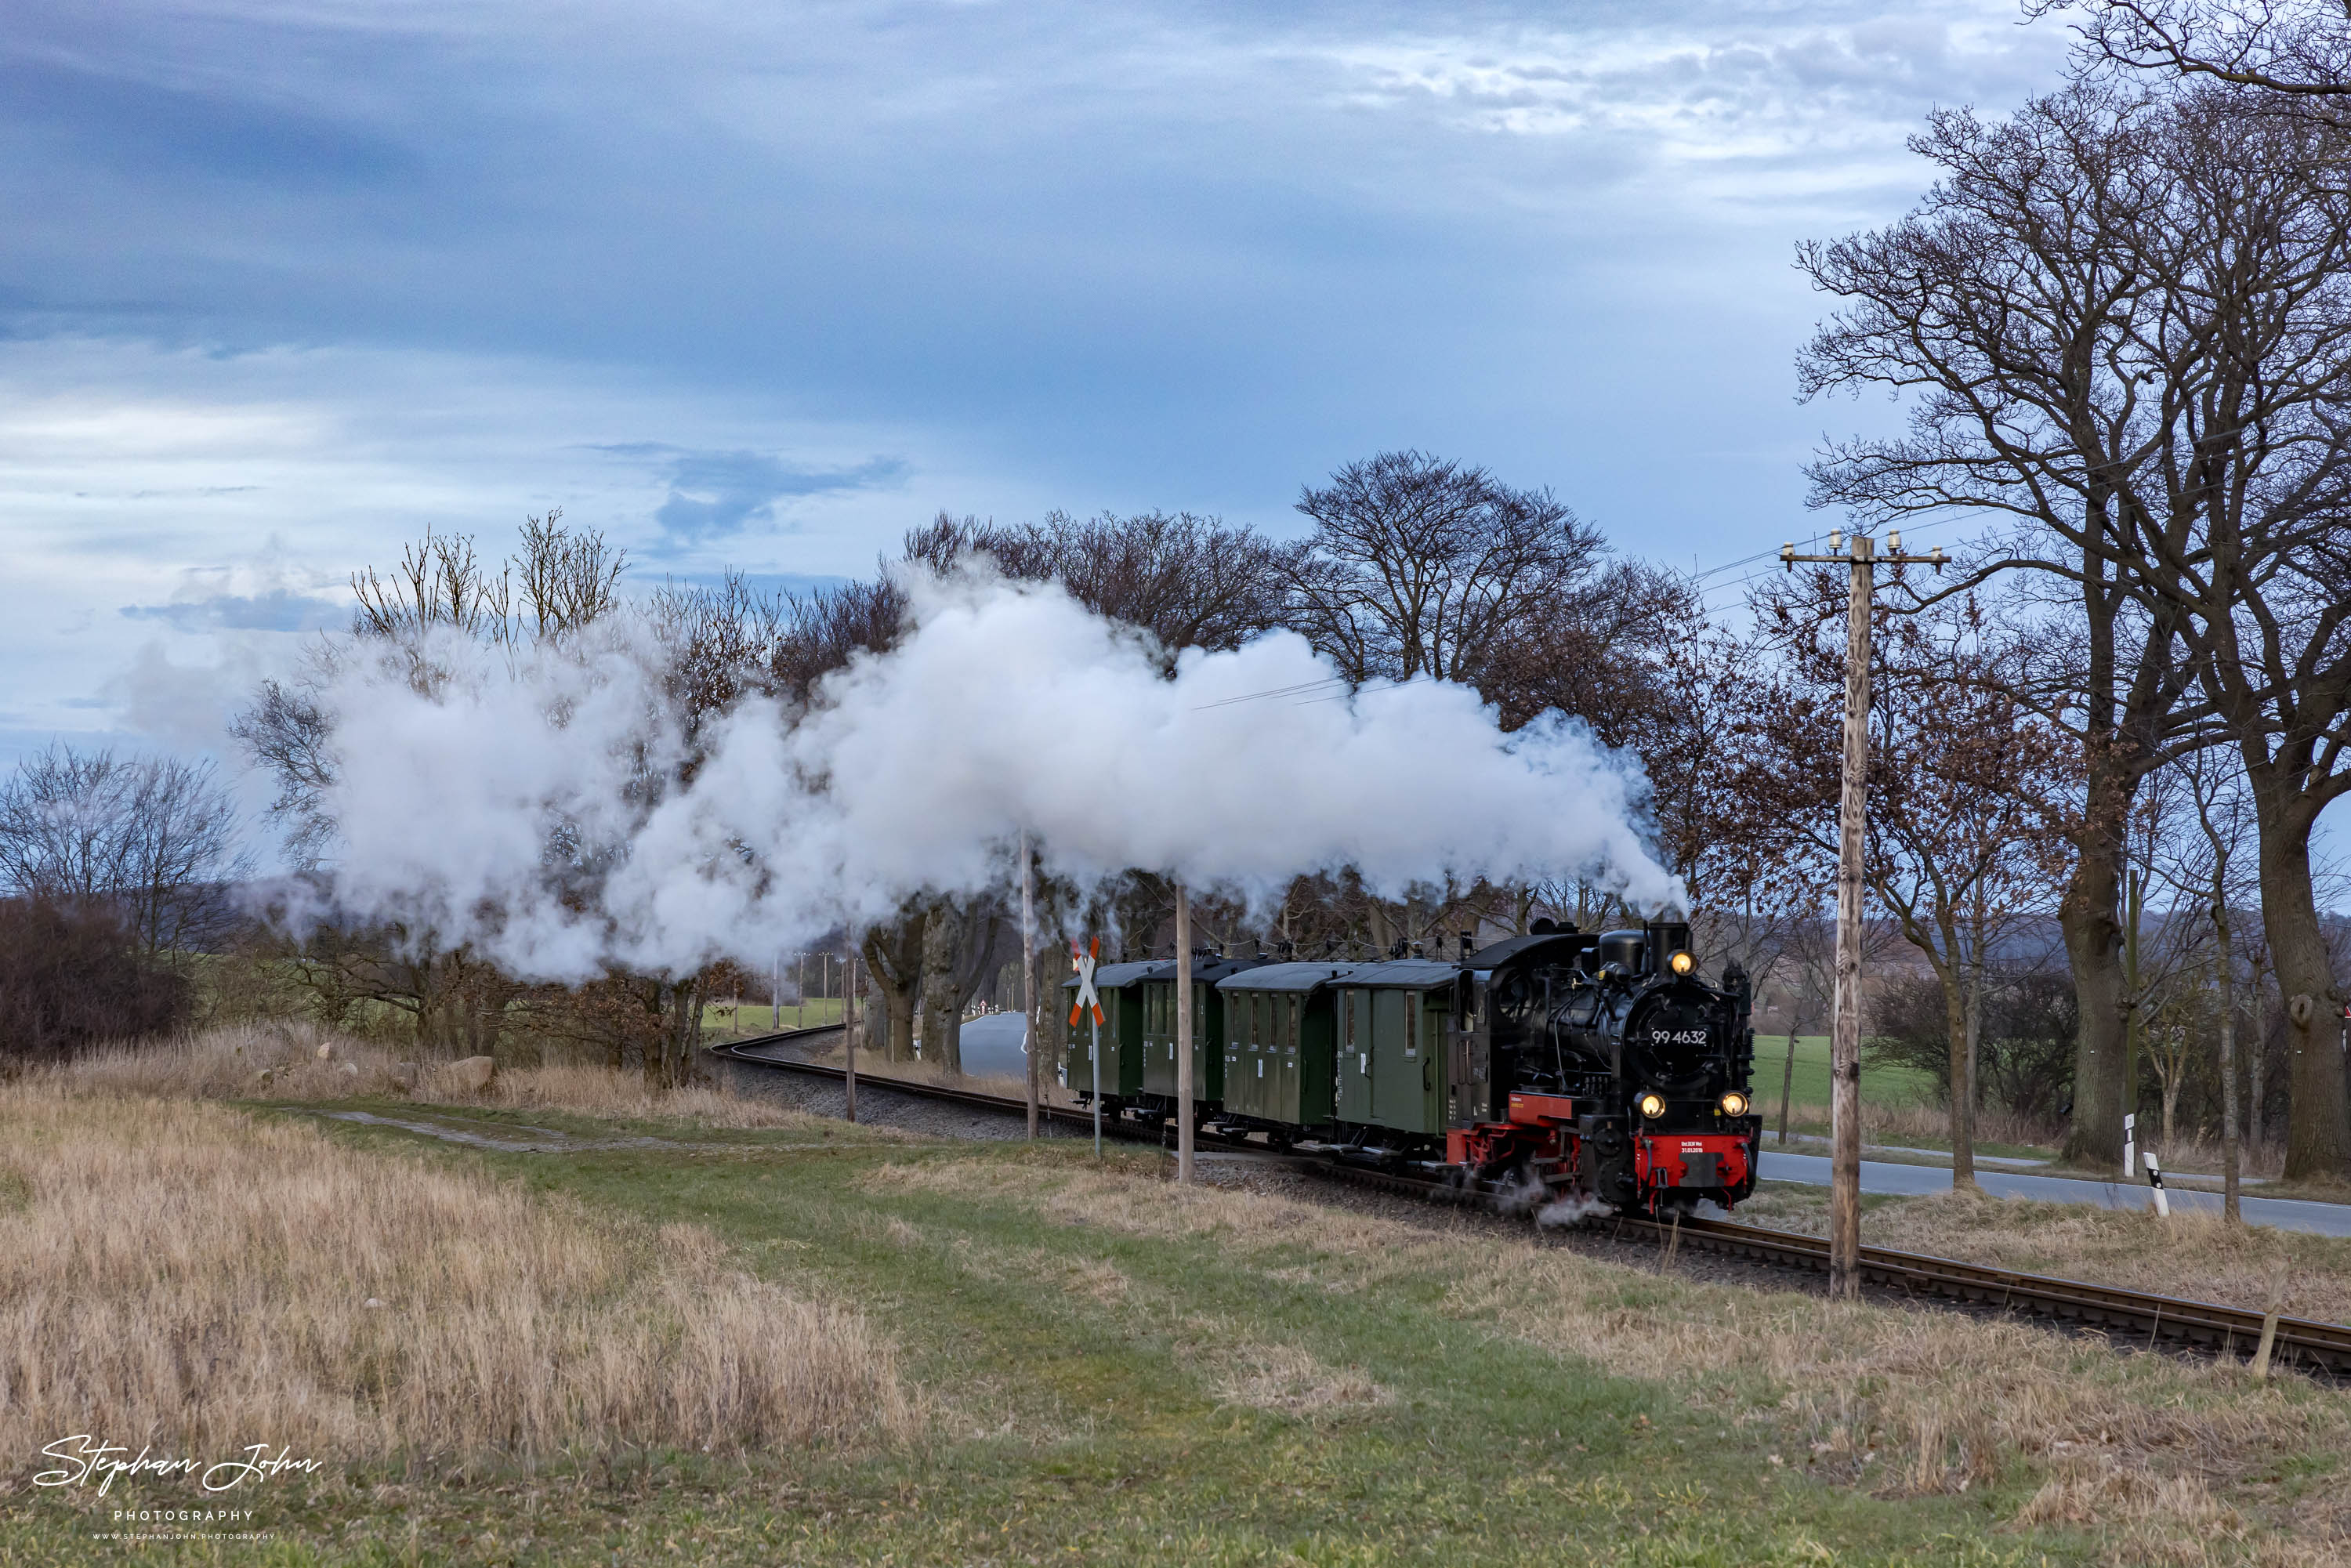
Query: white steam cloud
<point x="520" y="806"/>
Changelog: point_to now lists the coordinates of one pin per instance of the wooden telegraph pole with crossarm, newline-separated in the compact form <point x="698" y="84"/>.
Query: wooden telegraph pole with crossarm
<point x="1860" y="553"/>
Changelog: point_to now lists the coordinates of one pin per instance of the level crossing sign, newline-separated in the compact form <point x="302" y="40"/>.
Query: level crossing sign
<point x="1087" y="959"/>
<point x="1089" y="1000"/>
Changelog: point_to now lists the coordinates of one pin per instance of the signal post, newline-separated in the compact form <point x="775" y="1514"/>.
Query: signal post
<point x="1853" y="807"/>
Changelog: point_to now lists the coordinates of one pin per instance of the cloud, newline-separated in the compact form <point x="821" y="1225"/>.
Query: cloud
<point x="278" y="609"/>
<point x="713" y="494"/>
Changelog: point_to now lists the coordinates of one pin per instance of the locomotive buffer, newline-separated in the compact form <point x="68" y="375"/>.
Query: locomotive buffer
<point x="1860" y="554"/>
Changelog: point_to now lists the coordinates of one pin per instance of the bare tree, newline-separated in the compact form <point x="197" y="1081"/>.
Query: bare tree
<point x="150" y="839"/>
<point x="962" y="943"/>
<point x="569" y="578"/>
<point x="1421" y="567"/>
<point x="559" y="581"/>
<point x="2301" y="48"/>
<point x="1189" y="581"/>
<point x="894" y="957"/>
<point x="2129" y="321"/>
<point x="1967" y="797"/>
<point x="2210" y="870"/>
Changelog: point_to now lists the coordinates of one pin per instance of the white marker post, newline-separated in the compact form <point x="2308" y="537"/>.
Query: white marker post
<point x="2155" y="1180"/>
<point x="1089" y="1000"/>
<point x="2130" y="1145"/>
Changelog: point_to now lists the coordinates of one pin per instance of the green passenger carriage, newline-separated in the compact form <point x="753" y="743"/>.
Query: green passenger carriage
<point x="1277" y="1055"/>
<point x="1120" y="987"/>
<point x="1208" y="1033"/>
<point x="1392" y="1024"/>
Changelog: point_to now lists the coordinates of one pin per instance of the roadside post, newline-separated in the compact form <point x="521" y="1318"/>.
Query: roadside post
<point x="2155" y="1180"/>
<point x="2130" y="1145"/>
<point x="1089" y="1000"/>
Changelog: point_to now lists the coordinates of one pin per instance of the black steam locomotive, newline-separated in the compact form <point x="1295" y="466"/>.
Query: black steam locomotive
<point x="1602" y="1067"/>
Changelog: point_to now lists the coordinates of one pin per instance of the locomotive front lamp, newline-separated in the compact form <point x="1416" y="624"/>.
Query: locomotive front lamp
<point x="1734" y="1103"/>
<point x="1653" y="1105"/>
<point x="1681" y="963"/>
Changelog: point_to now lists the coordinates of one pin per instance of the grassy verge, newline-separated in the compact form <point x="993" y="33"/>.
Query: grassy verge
<point x="1106" y="1369"/>
<point x="2191" y="1255"/>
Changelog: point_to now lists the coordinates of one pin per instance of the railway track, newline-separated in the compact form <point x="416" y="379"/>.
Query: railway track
<point x="1060" y="1115"/>
<point x="2231" y="1331"/>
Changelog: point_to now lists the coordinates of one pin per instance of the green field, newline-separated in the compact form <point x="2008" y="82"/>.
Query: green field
<point x="1078" y="1357"/>
<point x="1880" y="1084"/>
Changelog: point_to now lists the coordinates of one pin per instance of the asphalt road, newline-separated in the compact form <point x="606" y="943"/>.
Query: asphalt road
<point x="1916" y="1181"/>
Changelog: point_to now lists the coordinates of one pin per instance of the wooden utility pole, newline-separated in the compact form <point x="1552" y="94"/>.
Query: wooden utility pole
<point x="850" y="1024"/>
<point x="1853" y="808"/>
<point x="1182" y="1033"/>
<point x="1032" y="1037"/>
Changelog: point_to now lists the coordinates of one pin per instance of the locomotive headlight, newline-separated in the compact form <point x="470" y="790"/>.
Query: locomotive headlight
<point x="1681" y="963"/>
<point x="1653" y="1105"/>
<point x="1734" y="1103"/>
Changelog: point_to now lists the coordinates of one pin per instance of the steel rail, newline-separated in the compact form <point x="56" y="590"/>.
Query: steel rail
<point x="2203" y="1325"/>
<point x="1113" y="1127"/>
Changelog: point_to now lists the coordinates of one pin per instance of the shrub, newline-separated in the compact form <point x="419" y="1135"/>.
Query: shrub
<point x="72" y="976"/>
<point x="2025" y="1056"/>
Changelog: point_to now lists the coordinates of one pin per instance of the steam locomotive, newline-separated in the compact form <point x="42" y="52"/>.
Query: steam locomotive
<point x="1600" y="1068"/>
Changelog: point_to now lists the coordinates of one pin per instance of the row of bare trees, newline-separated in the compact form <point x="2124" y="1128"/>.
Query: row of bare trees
<point x="2122" y="322"/>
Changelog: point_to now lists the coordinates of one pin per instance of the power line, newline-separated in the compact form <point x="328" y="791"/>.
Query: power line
<point x="1705" y="593"/>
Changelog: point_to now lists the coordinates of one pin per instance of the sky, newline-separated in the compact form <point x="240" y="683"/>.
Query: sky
<point x="283" y="285"/>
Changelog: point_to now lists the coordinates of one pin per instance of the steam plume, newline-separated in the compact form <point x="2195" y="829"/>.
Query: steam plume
<point x="522" y="808"/>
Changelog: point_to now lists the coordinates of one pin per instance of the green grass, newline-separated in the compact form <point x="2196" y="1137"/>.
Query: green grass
<point x="1072" y="1430"/>
<point x="1880" y="1083"/>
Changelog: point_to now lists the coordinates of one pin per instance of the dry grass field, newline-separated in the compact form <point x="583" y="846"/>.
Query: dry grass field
<point x="179" y="1273"/>
<point x="283" y="1061"/>
<point x="724" y="1334"/>
<point x="2192" y="1255"/>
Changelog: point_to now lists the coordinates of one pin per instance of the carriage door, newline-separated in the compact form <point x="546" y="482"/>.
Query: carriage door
<point x="1354" y="1057"/>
